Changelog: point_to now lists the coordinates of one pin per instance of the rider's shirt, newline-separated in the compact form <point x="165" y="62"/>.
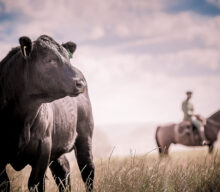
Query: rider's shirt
<point x="188" y="109"/>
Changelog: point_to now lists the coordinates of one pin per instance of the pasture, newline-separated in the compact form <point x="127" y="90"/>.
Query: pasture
<point x="188" y="171"/>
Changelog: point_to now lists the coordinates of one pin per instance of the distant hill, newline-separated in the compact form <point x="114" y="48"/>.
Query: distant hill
<point x="125" y="139"/>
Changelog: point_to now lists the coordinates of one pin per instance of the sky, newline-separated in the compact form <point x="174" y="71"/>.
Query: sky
<point x="139" y="56"/>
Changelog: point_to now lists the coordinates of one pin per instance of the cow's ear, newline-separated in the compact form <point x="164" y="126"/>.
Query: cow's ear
<point x="70" y="47"/>
<point x="26" y="46"/>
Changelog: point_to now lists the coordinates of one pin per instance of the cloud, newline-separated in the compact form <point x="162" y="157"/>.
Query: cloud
<point x="133" y="19"/>
<point x="50" y="15"/>
<point x="124" y="88"/>
<point x="138" y="58"/>
<point x="97" y="33"/>
<point x="167" y="28"/>
<point x="214" y="2"/>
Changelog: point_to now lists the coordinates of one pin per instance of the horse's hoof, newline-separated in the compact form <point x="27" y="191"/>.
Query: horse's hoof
<point x="204" y="142"/>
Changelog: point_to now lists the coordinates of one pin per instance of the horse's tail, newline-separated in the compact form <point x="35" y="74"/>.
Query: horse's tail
<point x="156" y="137"/>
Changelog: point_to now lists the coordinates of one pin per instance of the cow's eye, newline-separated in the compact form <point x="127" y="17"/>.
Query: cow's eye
<point x="52" y="61"/>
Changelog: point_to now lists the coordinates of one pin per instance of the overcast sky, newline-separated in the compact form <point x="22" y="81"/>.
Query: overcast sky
<point x="139" y="56"/>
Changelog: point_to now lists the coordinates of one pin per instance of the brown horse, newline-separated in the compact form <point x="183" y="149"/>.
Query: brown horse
<point x="184" y="133"/>
<point x="45" y="112"/>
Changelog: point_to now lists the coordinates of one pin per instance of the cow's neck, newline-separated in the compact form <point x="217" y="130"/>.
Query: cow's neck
<point x="16" y="115"/>
<point x="28" y="108"/>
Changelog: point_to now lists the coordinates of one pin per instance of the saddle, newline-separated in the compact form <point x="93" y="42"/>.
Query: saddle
<point x="195" y="130"/>
<point x="187" y="130"/>
<point x="187" y="127"/>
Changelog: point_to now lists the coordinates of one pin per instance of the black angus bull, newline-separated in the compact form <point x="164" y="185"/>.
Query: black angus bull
<point x="45" y="112"/>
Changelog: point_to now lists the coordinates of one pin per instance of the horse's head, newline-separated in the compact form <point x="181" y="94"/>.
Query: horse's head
<point x="48" y="72"/>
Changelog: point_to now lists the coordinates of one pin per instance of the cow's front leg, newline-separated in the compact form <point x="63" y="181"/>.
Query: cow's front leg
<point x="60" y="169"/>
<point x="36" y="180"/>
<point x="4" y="180"/>
<point x="83" y="151"/>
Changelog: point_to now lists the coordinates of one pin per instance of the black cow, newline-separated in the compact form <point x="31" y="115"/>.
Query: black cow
<point x="45" y="112"/>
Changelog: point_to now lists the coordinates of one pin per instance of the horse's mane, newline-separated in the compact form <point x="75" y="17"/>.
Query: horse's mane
<point x="5" y="66"/>
<point x="215" y="116"/>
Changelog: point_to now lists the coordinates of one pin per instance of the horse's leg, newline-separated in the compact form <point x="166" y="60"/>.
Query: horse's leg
<point x="83" y="151"/>
<point x="165" y="149"/>
<point x="161" y="151"/>
<point x="61" y="172"/>
<point x="4" y="180"/>
<point x="36" y="179"/>
<point x="211" y="147"/>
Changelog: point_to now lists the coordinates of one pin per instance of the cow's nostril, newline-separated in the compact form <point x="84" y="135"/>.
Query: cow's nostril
<point x="80" y="84"/>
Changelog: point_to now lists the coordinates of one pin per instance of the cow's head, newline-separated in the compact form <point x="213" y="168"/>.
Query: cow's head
<point x="48" y="72"/>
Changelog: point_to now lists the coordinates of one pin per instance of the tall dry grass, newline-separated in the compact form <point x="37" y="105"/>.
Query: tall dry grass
<point x="191" y="171"/>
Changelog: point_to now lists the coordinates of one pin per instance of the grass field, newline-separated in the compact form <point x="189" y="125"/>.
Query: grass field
<point x="191" y="171"/>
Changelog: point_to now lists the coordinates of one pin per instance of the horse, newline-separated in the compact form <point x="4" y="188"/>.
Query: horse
<point x="45" y="112"/>
<point x="185" y="133"/>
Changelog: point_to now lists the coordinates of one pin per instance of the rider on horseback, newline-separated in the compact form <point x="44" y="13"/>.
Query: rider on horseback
<point x="189" y="115"/>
